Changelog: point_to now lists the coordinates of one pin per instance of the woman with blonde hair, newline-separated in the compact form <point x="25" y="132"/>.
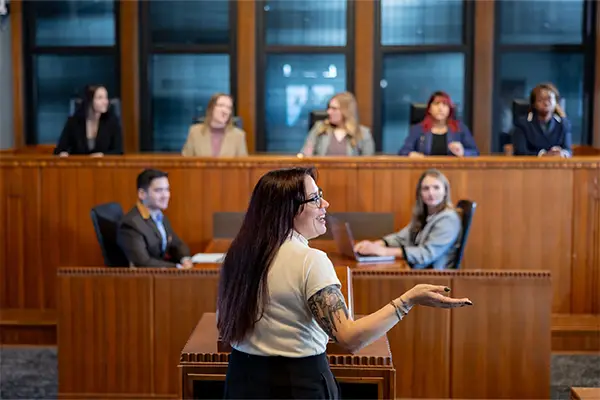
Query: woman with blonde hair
<point x="545" y="131"/>
<point x="340" y="134"/>
<point x="430" y="240"/>
<point x="216" y="136"/>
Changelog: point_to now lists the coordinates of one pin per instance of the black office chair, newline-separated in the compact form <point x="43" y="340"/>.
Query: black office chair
<point x="114" y="105"/>
<point x="520" y="108"/>
<point x="418" y="111"/>
<point x="237" y="121"/>
<point x="105" y="218"/>
<point x="466" y="210"/>
<point x="316" y="115"/>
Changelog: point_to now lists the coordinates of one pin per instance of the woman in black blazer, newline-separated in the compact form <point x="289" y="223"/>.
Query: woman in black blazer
<point x="93" y="129"/>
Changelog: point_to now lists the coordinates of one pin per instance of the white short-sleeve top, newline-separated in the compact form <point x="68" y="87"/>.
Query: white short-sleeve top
<point x="287" y="327"/>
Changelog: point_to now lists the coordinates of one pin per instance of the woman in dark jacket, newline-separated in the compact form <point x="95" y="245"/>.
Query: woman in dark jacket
<point x="93" y="129"/>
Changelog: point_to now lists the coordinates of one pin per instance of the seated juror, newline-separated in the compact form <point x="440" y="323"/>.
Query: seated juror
<point x="280" y="301"/>
<point x="145" y="233"/>
<point x="217" y="136"/>
<point x="545" y="131"/>
<point x="440" y="133"/>
<point x="430" y="240"/>
<point x="341" y="133"/>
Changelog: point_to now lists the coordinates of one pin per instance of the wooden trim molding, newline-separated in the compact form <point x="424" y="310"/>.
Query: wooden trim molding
<point x="130" y="68"/>
<point x="364" y="56"/>
<point x="596" y="117"/>
<point x="246" y="69"/>
<point x="18" y="70"/>
<point x="483" y="75"/>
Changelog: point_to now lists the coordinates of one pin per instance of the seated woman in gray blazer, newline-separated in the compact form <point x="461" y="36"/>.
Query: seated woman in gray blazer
<point x="340" y="134"/>
<point x="217" y="136"/>
<point x="431" y="238"/>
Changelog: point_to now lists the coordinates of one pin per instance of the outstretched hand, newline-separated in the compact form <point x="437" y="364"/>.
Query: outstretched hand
<point x="433" y="296"/>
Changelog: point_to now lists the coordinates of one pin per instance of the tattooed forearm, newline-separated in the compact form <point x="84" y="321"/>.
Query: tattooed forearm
<point x="327" y="306"/>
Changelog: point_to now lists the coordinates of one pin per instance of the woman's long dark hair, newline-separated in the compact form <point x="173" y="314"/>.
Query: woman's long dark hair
<point x="87" y="102"/>
<point x="243" y="290"/>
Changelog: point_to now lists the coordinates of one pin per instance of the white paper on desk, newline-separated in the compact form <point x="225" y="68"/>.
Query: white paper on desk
<point x="208" y="258"/>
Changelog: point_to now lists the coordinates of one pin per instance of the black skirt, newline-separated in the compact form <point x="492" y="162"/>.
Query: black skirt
<point x="259" y="377"/>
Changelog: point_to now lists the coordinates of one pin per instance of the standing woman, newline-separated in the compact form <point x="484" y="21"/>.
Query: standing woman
<point x="440" y="133"/>
<point x="341" y="133"/>
<point x="93" y="129"/>
<point x="279" y="300"/>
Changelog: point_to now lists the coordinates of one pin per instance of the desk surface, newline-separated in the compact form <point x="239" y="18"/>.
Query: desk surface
<point x="202" y="347"/>
<point x="580" y="393"/>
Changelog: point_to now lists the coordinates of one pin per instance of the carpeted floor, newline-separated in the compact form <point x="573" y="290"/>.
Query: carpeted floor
<point x="31" y="373"/>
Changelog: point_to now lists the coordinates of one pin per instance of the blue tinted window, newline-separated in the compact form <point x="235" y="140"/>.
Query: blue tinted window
<point x="419" y="22"/>
<point x="541" y="21"/>
<point x="74" y="23"/>
<point x="189" y="22"/>
<point x="519" y="73"/>
<point x="296" y="84"/>
<point x="412" y="79"/>
<point x="306" y="22"/>
<point x="62" y="78"/>
<point x="182" y="84"/>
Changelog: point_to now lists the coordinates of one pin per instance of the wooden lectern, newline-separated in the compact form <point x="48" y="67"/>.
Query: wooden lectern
<point x="368" y="374"/>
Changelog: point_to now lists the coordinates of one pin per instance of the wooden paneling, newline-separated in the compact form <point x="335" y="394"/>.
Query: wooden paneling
<point x="18" y="71"/>
<point x="245" y="97"/>
<point x="364" y="58"/>
<point x="46" y="201"/>
<point x="483" y="74"/>
<point x="129" y="27"/>
<point x="137" y="321"/>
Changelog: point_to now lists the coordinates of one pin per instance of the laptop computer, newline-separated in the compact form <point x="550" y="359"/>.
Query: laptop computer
<point x="342" y="235"/>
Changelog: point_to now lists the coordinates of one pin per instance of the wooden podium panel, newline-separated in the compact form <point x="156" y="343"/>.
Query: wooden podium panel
<point x="368" y="374"/>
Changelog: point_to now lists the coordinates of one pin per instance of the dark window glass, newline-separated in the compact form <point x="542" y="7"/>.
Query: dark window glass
<point x="59" y="79"/>
<point x="182" y="84"/>
<point x="189" y="22"/>
<point x="295" y="85"/>
<point x="520" y="73"/>
<point x="541" y="21"/>
<point x="421" y="22"/>
<point x="74" y="23"/>
<point x="306" y="22"/>
<point x="412" y="79"/>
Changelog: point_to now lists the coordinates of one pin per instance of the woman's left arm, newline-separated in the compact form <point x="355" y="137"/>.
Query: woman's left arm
<point x="442" y="237"/>
<point x="468" y="142"/>
<point x="367" y="143"/>
<point x="116" y="137"/>
<point x="567" y="144"/>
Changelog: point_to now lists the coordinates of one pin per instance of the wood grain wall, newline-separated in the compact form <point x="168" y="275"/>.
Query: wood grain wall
<point x="532" y="214"/>
<point x="483" y="77"/>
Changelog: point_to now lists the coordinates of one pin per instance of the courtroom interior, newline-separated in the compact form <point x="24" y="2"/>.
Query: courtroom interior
<point x="158" y="158"/>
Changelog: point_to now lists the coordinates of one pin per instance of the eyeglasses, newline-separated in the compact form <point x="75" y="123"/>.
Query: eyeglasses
<point x="317" y="200"/>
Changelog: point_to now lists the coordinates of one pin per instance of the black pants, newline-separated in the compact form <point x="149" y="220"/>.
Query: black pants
<point x="258" y="377"/>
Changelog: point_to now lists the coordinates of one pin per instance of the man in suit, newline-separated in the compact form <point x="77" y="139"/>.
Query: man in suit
<point x="145" y="234"/>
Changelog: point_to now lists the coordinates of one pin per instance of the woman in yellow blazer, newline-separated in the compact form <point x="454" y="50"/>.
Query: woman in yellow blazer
<point x="217" y="136"/>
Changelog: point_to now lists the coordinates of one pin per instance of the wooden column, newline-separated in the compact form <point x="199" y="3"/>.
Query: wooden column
<point x="130" y="71"/>
<point x="18" y="69"/>
<point x="483" y="75"/>
<point x="596" y="120"/>
<point x="245" y="97"/>
<point x="364" y="56"/>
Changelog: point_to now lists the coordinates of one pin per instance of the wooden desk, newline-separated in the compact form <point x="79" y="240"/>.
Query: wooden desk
<point x="579" y="393"/>
<point x="203" y="368"/>
<point x="121" y="331"/>
<point x="45" y="203"/>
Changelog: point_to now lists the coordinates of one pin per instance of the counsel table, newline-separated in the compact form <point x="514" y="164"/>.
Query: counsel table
<point x="121" y="331"/>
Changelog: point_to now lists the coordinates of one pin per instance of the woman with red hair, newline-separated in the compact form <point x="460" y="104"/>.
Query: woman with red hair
<point x="440" y="133"/>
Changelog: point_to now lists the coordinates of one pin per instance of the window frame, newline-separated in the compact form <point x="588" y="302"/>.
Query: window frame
<point x="31" y="50"/>
<point x="585" y="48"/>
<point x="466" y="48"/>
<point x="263" y="50"/>
<point x="148" y="49"/>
